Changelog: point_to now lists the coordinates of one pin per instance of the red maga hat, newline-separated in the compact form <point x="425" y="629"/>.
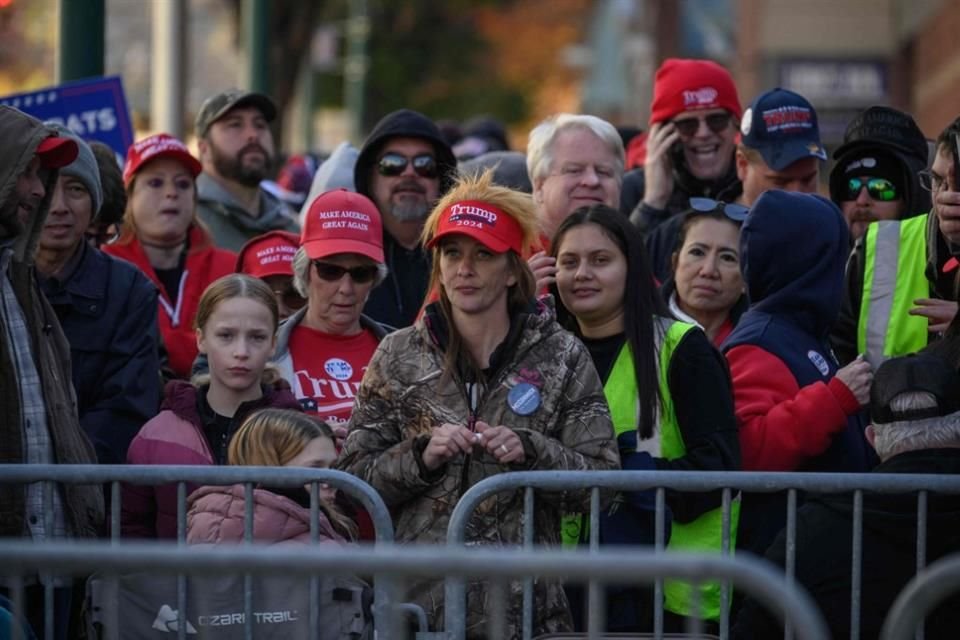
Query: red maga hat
<point x="269" y="254"/>
<point x="342" y="221"/>
<point x="161" y="145"/>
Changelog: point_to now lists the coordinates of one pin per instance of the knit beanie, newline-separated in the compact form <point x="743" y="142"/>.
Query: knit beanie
<point x="84" y="168"/>
<point x="684" y="85"/>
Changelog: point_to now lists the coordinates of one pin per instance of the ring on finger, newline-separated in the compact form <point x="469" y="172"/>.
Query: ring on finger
<point x="503" y="448"/>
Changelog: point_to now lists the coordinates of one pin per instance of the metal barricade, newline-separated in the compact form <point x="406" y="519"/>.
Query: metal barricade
<point x="183" y="475"/>
<point x="921" y="596"/>
<point x="399" y="563"/>
<point x="728" y="482"/>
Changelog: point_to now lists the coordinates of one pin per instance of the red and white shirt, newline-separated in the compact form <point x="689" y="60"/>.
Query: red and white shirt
<point x="327" y="370"/>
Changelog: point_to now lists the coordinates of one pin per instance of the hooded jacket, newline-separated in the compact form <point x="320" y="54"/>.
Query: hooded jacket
<point x="217" y="514"/>
<point x="398" y="299"/>
<point x="661" y="227"/>
<point x="177" y="435"/>
<point x="336" y="172"/>
<point x="824" y="553"/>
<point x="402" y="398"/>
<point x="794" y="415"/>
<point x="228" y="222"/>
<point x="83" y="504"/>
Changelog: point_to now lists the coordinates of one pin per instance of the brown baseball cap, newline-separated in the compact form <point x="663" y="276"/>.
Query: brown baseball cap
<point x="217" y="106"/>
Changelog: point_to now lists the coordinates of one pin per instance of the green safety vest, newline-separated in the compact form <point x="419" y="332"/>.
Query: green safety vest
<point x="701" y="535"/>
<point x="893" y="277"/>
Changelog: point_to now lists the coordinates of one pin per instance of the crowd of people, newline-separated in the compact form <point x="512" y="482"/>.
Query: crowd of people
<point x="433" y="308"/>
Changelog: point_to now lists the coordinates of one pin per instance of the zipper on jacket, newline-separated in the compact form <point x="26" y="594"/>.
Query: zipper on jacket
<point x="470" y="392"/>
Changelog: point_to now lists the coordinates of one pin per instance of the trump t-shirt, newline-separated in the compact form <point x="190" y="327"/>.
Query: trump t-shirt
<point x="328" y="369"/>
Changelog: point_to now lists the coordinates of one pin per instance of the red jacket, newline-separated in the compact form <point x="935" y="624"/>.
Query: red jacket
<point x="205" y="263"/>
<point x="782" y="425"/>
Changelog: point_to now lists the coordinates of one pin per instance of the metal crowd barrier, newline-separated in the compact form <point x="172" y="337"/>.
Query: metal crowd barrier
<point x="182" y="475"/>
<point x="920" y="596"/>
<point x="728" y="482"/>
<point x="400" y="563"/>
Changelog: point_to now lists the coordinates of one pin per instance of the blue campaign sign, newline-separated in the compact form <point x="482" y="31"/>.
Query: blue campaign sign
<point x="94" y="109"/>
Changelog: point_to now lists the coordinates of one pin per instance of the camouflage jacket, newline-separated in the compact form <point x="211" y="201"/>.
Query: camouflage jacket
<point x="401" y="399"/>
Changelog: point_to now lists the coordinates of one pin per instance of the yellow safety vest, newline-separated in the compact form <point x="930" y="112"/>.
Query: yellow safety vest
<point x="701" y="535"/>
<point x="893" y="277"/>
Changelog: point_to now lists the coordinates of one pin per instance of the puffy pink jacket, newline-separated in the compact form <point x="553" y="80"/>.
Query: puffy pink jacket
<point x="217" y="515"/>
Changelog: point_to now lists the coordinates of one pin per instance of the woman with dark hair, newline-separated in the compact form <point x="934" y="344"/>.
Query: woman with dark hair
<point x="485" y="382"/>
<point x="668" y="389"/>
<point x="706" y="287"/>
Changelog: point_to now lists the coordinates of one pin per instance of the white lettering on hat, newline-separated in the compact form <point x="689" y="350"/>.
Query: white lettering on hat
<point x="464" y="215"/>
<point x="787" y="118"/>
<point x="861" y="163"/>
<point x="700" y="97"/>
<point x="747" y="122"/>
<point x="354" y="215"/>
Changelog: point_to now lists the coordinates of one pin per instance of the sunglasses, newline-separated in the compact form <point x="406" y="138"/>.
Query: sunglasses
<point x="333" y="272"/>
<point x="877" y="188"/>
<point x="393" y="164"/>
<point x="733" y="211"/>
<point x="290" y="298"/>
<point x="716" y="122"/>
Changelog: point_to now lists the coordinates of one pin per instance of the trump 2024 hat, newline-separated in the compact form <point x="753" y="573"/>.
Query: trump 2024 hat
<point x="490" y="226"/>
<point x="782" y="126"/>
<point x="342" y="221"/>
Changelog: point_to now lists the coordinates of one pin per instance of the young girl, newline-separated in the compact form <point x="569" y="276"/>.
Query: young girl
<point x="272" y="438"/>
<point x="235" y="326"/>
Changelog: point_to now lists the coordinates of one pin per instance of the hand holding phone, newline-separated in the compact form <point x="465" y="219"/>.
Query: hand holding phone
<point x="658" y="167"/>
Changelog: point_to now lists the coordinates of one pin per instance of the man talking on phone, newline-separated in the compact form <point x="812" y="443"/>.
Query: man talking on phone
<point x="690" y="150"/>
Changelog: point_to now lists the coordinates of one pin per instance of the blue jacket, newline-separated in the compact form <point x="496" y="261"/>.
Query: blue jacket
<point x="108" y="311"/>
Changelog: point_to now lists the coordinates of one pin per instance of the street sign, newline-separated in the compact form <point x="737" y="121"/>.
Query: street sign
<point x="94" y="109"/>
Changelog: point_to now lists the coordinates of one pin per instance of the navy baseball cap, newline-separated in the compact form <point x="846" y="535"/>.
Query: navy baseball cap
<point x="782" y="126"/>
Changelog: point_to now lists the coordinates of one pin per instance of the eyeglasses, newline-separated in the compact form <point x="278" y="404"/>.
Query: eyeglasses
<point x="877" y="188"/>
<point x="333" y="272"/>
<point x="733" y="211"/>
<point x="931" y="181"/>
<point x="393" y="164"/>
<point x="290" y="297"/>
<point x="716" y="122"/>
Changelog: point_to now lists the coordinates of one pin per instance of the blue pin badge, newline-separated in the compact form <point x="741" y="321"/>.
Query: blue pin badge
<point x="524" y="399"/>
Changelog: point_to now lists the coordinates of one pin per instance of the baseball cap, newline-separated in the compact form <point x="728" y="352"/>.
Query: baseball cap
<point x="782" y="126"/>
<point x="916" y="372"/>
<point x="161" y="145"/>
<point x="492" y="227"/>
<point x="269" y="254"/>
<point x="57" y="151"/>
<point x="342" y="221"/>
<point x="217" y="106"/>
<point x="685" y="85"/>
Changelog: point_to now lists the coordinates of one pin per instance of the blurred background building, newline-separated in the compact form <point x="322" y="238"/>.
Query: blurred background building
<point x="336" y="66"/>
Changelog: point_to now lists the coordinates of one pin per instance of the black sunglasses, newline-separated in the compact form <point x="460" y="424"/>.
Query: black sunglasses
<point x="393" y="164"/>
<point x="733" y="211"/>
<point x="290" y="297"/>
<point x="879" y="189"/>
<point x="333" y="272"/>
<point x="716" y="122"/>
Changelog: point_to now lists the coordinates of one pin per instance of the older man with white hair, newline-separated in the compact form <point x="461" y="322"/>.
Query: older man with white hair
<point x="574" y="161"/>
<point x="915" y="416"/>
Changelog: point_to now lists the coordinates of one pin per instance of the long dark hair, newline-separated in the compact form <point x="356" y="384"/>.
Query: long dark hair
<point x="641" y="302"/>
